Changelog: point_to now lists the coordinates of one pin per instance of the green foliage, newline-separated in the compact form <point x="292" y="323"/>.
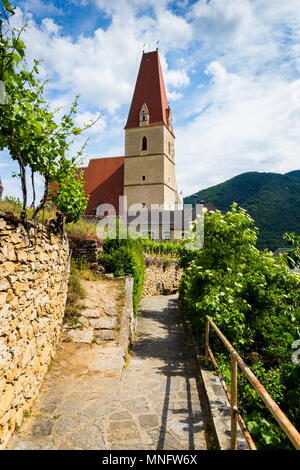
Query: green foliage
<point x="292" y="257"/>
<point x="81" y="228"/>
<point x="161" y="248"/>
<point x="70" y="198"/>
<point x="254" y="300"/>
<point x="124" y="257"/>
<point x="31" y="131"/>
<point x="272" y="199"/>
<point x="10" y="204"/>
<point x="75" y="294"/>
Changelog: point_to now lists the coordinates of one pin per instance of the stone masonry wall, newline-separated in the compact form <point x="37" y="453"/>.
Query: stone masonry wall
<point x="86" y="248"/>
<point x="161" y="275"/>
<point x="33" y="290"/>
<point x="106" y="314"/>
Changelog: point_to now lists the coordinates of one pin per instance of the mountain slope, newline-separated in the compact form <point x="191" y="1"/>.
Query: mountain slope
<point x="272" y="199"/>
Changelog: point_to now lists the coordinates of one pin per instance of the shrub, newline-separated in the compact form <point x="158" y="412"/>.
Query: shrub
<point x="254" y="300"/>
<point x="124" y="257"/>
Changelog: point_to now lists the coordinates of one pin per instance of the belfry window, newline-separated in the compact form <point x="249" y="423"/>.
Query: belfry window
<point x="144" y="143"/>
<point x="144" y="116"/>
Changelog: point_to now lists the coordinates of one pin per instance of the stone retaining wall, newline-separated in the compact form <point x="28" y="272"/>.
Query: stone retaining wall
<point x="86" y="248"/>
<point x="33" y="290"/>
<point x="128" y="321"/>
<point x="106" y="313"/>
<point x="162" y="275"/>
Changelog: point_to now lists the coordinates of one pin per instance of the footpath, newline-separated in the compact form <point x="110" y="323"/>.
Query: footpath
<point x="91" y="400"/>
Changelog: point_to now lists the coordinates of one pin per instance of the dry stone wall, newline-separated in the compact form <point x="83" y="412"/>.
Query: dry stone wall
<point x="162" y="275"/>
<point x="106" y="313"/>
<point x="33" y="291"/>
<point x="88" y="249"/>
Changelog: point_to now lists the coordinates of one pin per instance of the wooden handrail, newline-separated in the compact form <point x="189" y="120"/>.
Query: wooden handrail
<point x="236" y="360"/>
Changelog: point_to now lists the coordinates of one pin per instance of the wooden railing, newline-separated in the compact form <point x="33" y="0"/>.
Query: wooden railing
<point x="236" y="361"/>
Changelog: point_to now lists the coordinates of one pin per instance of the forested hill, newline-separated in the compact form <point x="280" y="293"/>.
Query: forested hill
<point x="272" y="199"/>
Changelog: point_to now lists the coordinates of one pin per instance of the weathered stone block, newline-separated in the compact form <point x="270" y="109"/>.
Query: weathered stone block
<point x="7" y="268"/>
<point x="91" y="312"/>
<point x="6" y="399"/>
<point x="4" y="285"/>
<point x="105" y="335"/>
<point x="85" y="335"/>
<point x="84" y="321"/>
<point x="5" y="312"/>
<point x="104" y="323"/>
<point x="3" y="297"/>
<point x="5" y="355"/>
<point x="22" y="256"/>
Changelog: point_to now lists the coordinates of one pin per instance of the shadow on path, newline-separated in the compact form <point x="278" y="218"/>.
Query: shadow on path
<point x="162" y="336"/>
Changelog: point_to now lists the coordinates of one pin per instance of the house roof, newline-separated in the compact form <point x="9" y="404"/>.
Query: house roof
<point x="280" y="251"/>
<point x="104" y="181"/>
<point x="149" y="89"/>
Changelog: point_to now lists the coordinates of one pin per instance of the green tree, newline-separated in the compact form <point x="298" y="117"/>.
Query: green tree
<point x="254" y="300"/>
<point x="32" y="133"/>
<point x="292" y="256"/>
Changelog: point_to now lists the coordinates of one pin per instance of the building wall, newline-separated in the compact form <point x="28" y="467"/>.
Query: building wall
<point x="33" y="291"/>
<point x="152" y="167"/>
<point x="148" y="194"/>
<point x="158" y="138"/>
<point x="156" y="164"/>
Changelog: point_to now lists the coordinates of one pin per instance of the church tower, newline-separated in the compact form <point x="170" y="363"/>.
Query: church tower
<point x="149" y="167"/>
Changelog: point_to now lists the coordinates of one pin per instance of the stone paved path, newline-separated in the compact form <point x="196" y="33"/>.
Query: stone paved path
<point x="88" y="401"/>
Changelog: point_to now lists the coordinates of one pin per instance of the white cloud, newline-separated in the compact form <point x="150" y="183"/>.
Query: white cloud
<point x="246" y="124"/>
<point x="177" y="78"/>
<point x="40" y="8"/>
<point x="174" y="95"/>
<point x="242" y="57"/>
<point x="50" y="26"/>
<point x="102" y="67"/>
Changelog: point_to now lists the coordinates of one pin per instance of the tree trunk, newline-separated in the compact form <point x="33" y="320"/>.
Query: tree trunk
<point x="43" y="200"/>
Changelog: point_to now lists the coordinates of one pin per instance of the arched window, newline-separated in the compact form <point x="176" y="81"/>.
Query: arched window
<point x="169" y="148"/>
<point x="144" y="143"/>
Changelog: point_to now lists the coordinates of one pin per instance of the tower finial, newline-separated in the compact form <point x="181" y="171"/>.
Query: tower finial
<point x="157" y="45"/>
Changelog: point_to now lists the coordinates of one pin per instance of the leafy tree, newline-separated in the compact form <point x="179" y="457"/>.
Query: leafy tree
<point x="32" y="133"/>
<point x="292" y="256"/>
<point x="254" y="300"/>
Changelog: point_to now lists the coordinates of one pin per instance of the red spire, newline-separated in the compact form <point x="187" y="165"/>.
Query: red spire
<point x="149" y="89"/>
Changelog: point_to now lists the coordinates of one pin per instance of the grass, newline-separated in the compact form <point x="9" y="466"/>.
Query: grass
<point x="75" y="294"/>
<point x="81" y="267"/>
<point x="27" y="413"/>
<point x="10" y="205"/>
<point x="128" y="356"/>
<point x="88" y="229"/>
<point x="79" y="271"/>
<point x="80" y="228"/>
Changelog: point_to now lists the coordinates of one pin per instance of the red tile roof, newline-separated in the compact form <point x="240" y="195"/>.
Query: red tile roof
<point x="104" y="182"/>
<point x="149" y="89"/>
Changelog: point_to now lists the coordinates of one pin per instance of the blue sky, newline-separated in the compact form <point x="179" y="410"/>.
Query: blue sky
<point x="231" y="67"/>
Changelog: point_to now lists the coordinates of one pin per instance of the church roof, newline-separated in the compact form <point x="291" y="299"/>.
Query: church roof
<point x="149" y="89"/>
<point x="104" y="181"/>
